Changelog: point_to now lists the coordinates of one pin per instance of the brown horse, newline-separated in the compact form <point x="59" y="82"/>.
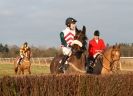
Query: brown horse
<point x="25" y="63"/>
<point x="76" y="62"/>
<point x="104" y="62"/>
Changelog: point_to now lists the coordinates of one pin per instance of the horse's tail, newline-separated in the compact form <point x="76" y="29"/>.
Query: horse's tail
<point x="16" y="70"/>
<point x="15" y="65"/>
<point x="52" y="66"/>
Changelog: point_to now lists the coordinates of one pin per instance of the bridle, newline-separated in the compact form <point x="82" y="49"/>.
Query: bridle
<point x="110" y="61"/>
<point x="82" y="38"/>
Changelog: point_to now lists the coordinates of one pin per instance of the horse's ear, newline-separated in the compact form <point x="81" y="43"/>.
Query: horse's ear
<point x="117" y="46"/>
<point x="77" y="31"/>
<point x="84" y="29"/>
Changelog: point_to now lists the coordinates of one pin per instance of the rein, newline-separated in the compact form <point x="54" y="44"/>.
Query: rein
<point x="102" y="62"/>
<point x="111" y="62"/>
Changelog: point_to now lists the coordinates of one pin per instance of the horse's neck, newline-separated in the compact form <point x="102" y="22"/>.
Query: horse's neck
<point x="27" y="55"/>
<point x="78" y="62"/>
<point x="107" y="58"/>
<point x="26" y="58"/>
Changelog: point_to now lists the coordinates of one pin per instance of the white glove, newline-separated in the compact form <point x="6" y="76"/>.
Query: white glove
<point x="94" y="56"/>
<point x="77" y="42"/>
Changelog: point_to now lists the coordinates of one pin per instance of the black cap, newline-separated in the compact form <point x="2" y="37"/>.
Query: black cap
<point x="70" y="20"/>
<point x="96" y="33"/>
<point x="25" y="43"/>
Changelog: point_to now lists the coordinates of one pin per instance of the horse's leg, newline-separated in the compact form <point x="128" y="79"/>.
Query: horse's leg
<point x="19" y="71"/>
<point x="52" y="66"/>
<point x="16" y="67"/>
<point x="29" y="70"/>
<point x="23" y="71"/>
<point x="16" y="70"/>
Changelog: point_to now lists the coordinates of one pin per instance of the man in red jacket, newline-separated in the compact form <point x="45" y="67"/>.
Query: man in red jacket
<point x="95" y="47"/>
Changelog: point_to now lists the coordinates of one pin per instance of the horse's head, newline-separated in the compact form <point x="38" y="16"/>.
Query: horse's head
<point x="115" y="53"/>
<point x="110" y="56"/>
<point x="112" y="52"/>
<point x="80" y="38"/>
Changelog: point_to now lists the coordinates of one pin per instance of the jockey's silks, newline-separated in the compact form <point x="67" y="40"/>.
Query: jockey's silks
<point x="68" y="36"/>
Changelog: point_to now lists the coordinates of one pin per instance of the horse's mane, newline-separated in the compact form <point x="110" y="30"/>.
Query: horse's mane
<point x="107" y="49"/>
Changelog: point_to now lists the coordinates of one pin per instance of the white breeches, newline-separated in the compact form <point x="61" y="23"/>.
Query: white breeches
<point x="21" y="55"/>
<point x="66" y="51"/>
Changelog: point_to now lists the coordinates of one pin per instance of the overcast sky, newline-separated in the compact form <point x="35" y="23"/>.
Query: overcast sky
<point x="39" y="22"/>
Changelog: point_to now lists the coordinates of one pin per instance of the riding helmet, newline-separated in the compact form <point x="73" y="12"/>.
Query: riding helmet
<point x="25" y="43"/>
<point x="96" y="33"/>
<point x="70" y="20"/>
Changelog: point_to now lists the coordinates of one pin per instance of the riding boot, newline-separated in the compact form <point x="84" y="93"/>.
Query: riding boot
<point x="19" y="61"/>
<point x="62" y="65"/>
<point x="90" y="65"/>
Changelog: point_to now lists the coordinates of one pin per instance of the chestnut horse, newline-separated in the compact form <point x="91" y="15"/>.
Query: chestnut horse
<point x="76" y="62"/>
<point x="104" y="62"/>
<point x="24" y="64"/>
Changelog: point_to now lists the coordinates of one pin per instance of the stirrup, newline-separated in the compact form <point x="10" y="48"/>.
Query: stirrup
<point x="90" y="69"/>
<point x="62" y="68"/>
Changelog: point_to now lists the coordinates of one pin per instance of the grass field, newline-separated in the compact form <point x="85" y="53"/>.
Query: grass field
<point x="8" y="69"/>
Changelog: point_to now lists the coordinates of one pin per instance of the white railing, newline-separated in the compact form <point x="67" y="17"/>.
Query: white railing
<point x="126" y="63"/>
<point x="41" y="61"/>
<point x="126" y="57"/>
<point x="35" y="61"/>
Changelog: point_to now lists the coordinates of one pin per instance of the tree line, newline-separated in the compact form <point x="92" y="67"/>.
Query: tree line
<point x="126" y="49"/>
<point x="13" y="51"/>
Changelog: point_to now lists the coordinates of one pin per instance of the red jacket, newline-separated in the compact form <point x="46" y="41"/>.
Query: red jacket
<point x="95" y="47"/>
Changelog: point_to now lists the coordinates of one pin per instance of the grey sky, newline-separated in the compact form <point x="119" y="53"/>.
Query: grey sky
<point x="39" y="22"/>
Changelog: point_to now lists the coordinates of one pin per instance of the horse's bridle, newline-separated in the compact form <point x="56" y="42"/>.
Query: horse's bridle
<point x="111" y="62"/>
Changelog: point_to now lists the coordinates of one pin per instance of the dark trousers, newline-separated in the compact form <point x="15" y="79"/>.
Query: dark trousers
<point x="90" y="64"/>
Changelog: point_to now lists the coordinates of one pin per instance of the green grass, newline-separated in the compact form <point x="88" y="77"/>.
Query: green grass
<point x="8" y="70"/>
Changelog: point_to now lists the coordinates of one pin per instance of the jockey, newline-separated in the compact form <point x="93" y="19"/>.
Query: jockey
<point x="23" y="50"/>
<point x="67" y="37"/>
<point x="95" y="47"/>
